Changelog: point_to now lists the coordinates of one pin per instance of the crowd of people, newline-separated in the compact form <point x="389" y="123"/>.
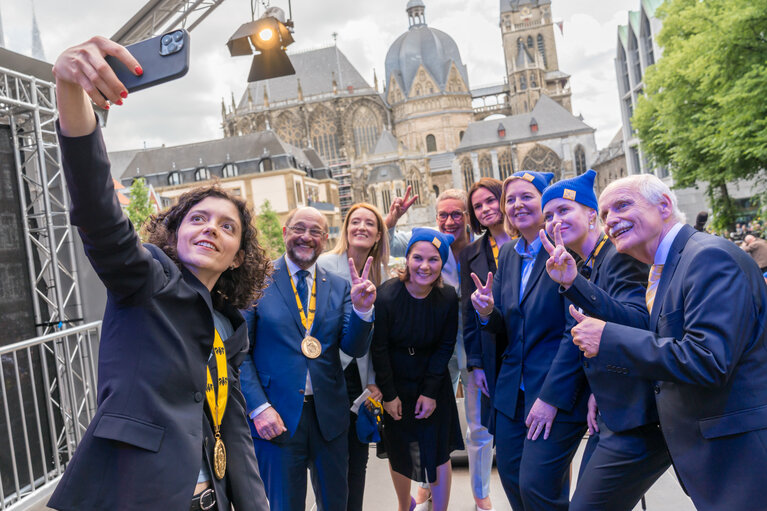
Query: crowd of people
<point x="225" y="379"/>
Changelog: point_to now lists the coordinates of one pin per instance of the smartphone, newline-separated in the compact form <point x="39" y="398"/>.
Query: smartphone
<point x="163" y="58"/>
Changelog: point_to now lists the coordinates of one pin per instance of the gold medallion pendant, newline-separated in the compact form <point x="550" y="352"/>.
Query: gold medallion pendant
<point x="311" y="347"/>
<point x="219" y="458"/>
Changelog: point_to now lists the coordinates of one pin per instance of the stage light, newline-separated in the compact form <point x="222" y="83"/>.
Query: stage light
<point x="267" y="37"/>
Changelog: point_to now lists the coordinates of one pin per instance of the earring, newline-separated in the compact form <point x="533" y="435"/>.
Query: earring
<point x="591" y="227"/>
<point x="231" y="267"/>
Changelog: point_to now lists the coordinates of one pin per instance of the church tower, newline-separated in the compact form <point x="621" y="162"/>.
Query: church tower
<point x="530" y="53"/>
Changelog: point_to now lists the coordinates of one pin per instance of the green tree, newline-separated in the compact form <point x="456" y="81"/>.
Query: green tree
<point x="140" y="207"/>
<point x="270" y="231"/>
<point x="705" y="110"/>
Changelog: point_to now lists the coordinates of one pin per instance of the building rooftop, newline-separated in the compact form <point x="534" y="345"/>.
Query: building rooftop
<point x="514" y="5"/>
<point x="552" y="119"/>
<point x="316" y="70"/>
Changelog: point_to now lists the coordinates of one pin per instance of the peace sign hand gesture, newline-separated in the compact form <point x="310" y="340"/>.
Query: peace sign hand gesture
<point x="399" y="207"/>
<point x="561" y="265"/>
<point x="363" y="291"/>
<point x="482" y="297"/>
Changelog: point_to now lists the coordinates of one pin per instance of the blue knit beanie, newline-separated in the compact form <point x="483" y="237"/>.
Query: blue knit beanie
<point x="579" y="189"/>
<point x="440" y="240"/>
<point x="539" y="179"/>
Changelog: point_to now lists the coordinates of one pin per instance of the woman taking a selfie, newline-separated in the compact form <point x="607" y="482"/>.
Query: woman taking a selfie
<point x="170" y="430"/>
<point x="415" y="330"/>
<point x="362" y="236"/>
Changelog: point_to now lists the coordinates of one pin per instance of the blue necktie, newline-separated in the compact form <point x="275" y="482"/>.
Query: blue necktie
<point x="303" y="289"/>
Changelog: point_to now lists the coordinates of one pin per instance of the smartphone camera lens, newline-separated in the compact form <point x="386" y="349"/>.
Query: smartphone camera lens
<point x="178" y="36"/>
<point x="166" y="40"/>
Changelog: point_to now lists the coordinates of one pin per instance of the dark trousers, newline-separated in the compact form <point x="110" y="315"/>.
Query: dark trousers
<point x="283" y="466"/>
<point x="358" y="451"/>
<point x="618" y="468"/>
<point x="535" y="474"/>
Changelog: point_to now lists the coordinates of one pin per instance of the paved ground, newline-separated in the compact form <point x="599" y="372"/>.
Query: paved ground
<point x="666" y="495"/>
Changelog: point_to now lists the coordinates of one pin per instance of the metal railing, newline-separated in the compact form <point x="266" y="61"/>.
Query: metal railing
<point x="47" y="400"/>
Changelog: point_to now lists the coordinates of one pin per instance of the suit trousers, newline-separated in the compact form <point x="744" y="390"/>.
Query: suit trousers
<point x="283" y="465"/>
<point x="618" y="468"/>
<point x="535" y="474"/>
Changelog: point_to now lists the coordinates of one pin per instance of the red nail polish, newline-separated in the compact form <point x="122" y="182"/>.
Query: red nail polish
<point x="119" y="102"/>
<point x="139" y="71"/>
<point x="106" y="107"/>
<point x="124" y="94"/>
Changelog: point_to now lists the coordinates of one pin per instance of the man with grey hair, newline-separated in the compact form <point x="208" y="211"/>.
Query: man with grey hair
<point x="452" y="218"/>
<point x="706" y="347"/>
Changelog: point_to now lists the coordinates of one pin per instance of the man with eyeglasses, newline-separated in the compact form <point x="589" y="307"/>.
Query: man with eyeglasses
<point x="293" y="382"/>
<point x="452" y="218"/>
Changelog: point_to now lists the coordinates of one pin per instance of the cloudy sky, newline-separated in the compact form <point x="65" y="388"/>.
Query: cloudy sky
<point x="189" y="109"/>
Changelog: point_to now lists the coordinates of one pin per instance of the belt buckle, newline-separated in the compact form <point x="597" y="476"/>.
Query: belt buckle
<point x="207" y="499"/>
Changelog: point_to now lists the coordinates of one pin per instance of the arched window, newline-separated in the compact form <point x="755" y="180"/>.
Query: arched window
<point x="290" y="129"/>
<point x="414" y="182"/>
<point x="202" y="174"/>
<point x="505" y="168"/>
<point x="431" y="144"/>
<point x="533" y="81"/>
<point x="485" y="166"/>
<point x="174" y="178"/>
<point x="460" y="135"/>
<point x="436" y="190"/>
<point x="529" y="41"/>
<point x="580" y="160"/>
<point x="386" y="199"/>
<point x="325" y="135"/>
<point x="468" y="173"/>
<point x="542" y="50"/>
<point x="542" y="159"/>
<point x="365" y="130"/>
<point x="522" y="82"/>
<point x="229" y="170"/>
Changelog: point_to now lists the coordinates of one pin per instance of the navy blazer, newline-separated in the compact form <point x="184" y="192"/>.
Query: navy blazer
<point x="483" y="349"/>
<point x="276" y="370"/>
<point x="707" y="346"/>
<point x="145" y="444"/>
<point x="535" y="328"/>
<point x="616" y="292"/>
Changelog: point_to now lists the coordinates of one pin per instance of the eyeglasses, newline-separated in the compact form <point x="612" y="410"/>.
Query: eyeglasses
<point x="300" y="230"/>
<point x="455" y="215"/>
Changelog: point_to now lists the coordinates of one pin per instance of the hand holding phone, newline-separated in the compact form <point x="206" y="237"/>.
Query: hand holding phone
<point x="162" y="58"/>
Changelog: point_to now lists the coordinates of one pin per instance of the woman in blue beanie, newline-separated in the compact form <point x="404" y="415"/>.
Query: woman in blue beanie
<point x="415" y="330"/>
<point x="626" y="452"/>
<point x="535" y="438"/>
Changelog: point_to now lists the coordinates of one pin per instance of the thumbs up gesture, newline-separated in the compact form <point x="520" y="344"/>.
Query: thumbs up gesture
<point x="587" y="334"/>
<point x="561" y="264"/>
<point x="482" y="297"/>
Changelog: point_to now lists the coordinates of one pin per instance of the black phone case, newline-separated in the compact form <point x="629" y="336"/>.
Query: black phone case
<point x="157" y="68"/>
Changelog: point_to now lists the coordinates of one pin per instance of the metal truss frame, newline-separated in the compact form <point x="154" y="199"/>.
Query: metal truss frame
<point x="28" y="105"/>
<point x="160" y="16"/>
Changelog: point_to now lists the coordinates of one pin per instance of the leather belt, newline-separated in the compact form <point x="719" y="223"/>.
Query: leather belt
<point x="204" y="500"/>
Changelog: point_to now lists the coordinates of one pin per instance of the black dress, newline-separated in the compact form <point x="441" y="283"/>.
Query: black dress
<point x="413" y="341"/>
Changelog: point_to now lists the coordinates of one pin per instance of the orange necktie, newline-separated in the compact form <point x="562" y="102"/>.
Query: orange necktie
<point x="652" y="285"/>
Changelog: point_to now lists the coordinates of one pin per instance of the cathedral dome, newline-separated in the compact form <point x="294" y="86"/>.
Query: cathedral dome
<point x="422" y="46"/>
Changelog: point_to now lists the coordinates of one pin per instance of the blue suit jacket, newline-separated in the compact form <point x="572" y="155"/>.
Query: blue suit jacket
<point x="616" y="293"/>
<point x="535" y="328"/>
<point x="276" y="370"/>
<point x="707" y="346"/>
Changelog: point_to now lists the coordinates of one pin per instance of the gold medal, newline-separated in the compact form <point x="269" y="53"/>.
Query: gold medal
<point x="311" y="347"/>
<point x="219" y="458"/>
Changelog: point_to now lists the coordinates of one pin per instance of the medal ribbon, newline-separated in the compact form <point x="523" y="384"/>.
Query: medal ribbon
<point x="217" y="403"/>
<point x="306" y="319"/>
<point x="593" y="255"/>
<point x="494" y="247"/>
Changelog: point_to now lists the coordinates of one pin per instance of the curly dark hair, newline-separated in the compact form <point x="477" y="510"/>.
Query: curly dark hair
<point x="240" y="286"/>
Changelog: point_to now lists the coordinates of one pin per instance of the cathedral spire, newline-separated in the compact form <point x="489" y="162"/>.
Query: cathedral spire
<point x="2" y="37"/>
<point x="37" y="43"/>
